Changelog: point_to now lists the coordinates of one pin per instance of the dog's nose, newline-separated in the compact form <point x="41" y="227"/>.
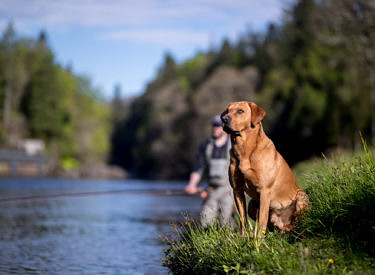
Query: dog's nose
<point x="225" y="119"/>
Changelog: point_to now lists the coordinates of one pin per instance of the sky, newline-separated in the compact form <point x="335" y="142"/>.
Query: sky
<point x="123" y="42"/>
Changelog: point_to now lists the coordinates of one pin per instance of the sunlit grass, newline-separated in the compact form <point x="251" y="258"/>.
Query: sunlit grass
<point x="334" y="237"/>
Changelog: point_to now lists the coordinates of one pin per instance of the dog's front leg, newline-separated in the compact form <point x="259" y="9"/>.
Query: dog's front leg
<point x="240" y="200"/>
<point x="264" y="210"/>
<point x="237" y="182"/>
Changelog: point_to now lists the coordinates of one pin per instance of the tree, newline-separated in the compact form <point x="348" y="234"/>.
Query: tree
<point x="15" y="70"/>
<point x="8" y="47"/>
<point x="43" y="102"/>
<point x="351" y="26"/>
<point x="117" y="106"/>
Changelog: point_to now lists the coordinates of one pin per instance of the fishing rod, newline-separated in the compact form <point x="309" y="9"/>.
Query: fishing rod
<point x="104" y="193"/>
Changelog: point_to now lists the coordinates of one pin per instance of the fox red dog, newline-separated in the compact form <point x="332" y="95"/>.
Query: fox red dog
<point x="256" y="168"/>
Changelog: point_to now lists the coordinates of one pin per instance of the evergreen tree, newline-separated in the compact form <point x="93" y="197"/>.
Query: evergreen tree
<point x="118" y="110"/>
<point x="44" y="99"/>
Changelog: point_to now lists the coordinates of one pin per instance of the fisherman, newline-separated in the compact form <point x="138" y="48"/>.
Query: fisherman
<point x="213" y="157"/>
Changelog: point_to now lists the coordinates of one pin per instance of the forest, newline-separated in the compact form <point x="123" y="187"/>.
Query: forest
<point x="313" y="72"/>
<point x="39" y="99"/>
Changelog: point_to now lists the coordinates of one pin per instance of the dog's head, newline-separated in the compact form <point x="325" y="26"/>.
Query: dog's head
<point x="241" y="115"/>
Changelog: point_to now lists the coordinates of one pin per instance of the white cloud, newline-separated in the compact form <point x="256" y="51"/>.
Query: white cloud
<point x="180" y="26"/>
<point x="159" y="37"/>
<point x="160" y="22"/>
<point x="115" y="13"/>
<point x="71" y="13"/>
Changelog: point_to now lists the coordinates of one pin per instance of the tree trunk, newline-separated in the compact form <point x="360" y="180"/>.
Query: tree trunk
<point x="7" y="106"/>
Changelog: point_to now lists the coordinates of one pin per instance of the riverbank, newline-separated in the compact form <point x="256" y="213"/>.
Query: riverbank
<point x="335" y="237"/>
<point x="102" y="171"/>
<point x="25" y="164"/>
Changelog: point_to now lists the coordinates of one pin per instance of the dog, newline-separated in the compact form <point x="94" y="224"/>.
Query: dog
<point x="257" y="169"/>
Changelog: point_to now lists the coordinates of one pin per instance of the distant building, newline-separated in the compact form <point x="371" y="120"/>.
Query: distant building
<point x="28" y="160"/>
<point x="32" y="146"/>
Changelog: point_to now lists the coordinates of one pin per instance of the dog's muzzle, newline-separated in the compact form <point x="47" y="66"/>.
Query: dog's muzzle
<point x="226" y="122"/>
<point x="225" y="119"/>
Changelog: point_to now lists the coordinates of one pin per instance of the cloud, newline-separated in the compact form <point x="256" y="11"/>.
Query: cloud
<point x="167" y="23"/>
<point x="129" y="13"/>
<point x="71" y="13"/>
<point x="159" y="37"/>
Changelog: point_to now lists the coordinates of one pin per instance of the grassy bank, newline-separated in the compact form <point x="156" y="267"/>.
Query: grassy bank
<point x="335" y="237"/>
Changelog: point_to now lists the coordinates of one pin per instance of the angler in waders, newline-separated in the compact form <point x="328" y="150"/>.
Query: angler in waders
<point x="213" y="157"/>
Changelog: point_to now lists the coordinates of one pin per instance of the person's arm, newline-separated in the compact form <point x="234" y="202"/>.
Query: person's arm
<point x="195" y="178"/>
<point x="197" y="171"/>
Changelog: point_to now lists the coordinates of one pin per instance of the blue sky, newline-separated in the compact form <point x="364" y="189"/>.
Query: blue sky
<point x="123" y="42"/>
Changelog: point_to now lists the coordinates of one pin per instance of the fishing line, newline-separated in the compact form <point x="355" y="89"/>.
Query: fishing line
<point x="91" y="194"/>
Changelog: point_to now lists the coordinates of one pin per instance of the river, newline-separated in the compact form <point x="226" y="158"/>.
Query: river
<point x="53" y="226"/>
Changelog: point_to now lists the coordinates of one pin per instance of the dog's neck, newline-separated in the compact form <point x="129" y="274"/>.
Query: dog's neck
<point x="247" y="138"/>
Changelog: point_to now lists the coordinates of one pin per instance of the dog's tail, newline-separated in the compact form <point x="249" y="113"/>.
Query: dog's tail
<point x="302" y="202"/>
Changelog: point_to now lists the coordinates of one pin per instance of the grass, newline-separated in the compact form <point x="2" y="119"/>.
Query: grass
<point x="335" y="237"/>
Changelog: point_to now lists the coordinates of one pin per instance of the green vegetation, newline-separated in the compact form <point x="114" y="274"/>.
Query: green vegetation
<point x="335" y="237"/>
<point x="313" y="73"/>
<point x="41" y="100"/>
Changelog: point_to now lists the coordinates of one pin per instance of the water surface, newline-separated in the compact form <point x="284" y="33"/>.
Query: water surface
<point x="108" y="227"/>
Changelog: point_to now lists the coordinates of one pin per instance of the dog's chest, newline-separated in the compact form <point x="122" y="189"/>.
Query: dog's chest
<point x="241" y="150"/>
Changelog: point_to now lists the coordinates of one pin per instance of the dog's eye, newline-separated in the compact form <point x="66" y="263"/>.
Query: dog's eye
<point x="240" y="111"/>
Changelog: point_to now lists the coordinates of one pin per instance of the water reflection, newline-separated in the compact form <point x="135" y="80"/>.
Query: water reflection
<point x="108" y="234"/>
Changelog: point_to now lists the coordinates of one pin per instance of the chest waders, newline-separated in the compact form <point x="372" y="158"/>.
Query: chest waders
<point x="219" y="202"/>
<point x="217" y="167"/>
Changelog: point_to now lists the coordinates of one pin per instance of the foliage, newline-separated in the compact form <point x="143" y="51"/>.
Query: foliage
<point x="40" y="99"/>
<point x="43" y="98"/>
<point x="316" y="81"/>
<point x="334" y="237"/>
<point x="313" y="72"/>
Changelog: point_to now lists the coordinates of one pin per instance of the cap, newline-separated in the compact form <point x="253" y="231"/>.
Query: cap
<point x="217" y="121"/>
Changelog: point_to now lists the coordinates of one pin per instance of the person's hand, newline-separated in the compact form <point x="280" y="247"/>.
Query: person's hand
<point x="191" y="189"/>
<point x="204" y="194"/>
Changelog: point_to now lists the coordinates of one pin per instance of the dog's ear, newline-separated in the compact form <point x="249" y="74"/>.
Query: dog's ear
<point x="257" y="114"/>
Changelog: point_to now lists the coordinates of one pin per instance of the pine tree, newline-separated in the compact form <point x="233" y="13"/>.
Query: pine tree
<point x="43" y="104"/>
